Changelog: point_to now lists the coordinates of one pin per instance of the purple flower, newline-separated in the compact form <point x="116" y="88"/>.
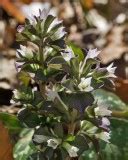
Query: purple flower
<point x="20" y="28"/>
<point x="44" y="13"/>
<point x="18" y="66"/>
<point x="105" y="123"/>
<point x="92" y="53"/>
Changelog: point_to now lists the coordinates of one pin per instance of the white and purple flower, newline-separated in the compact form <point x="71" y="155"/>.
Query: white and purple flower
<point x="68" y="54"/>
<point x="105" y="123"/>
<point x="102" y="109"/>
<point x="54" y="142"/>
<point x="105" y="136"/>
<point x="111" y="71"/>
<point x="85" y="84"/>
<point x="72" y="150"/>
<point x="24" y="52"/>
<point x="92" y="53"/>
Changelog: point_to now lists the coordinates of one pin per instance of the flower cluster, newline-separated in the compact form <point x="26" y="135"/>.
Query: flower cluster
<point x="56" y="90"/>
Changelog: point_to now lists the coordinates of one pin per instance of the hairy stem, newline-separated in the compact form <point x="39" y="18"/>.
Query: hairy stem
<point x="42" y="89"/>
<point x="71" y="128"/>
<point x="42" y="85"/>
<point x="41" y="53"/>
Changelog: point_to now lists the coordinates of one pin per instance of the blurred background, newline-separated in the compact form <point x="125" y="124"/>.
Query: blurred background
<point x="101" y="24"/>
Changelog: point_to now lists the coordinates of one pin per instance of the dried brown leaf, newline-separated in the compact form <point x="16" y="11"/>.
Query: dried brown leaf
<point x="5" y="144"/>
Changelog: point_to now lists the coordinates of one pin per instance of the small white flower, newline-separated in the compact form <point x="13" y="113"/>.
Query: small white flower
<point x="102" y="109"/>
<point x="16" y="93"/>
<point x="34" y="89"/>
<point x="111" y="71"/>
<point x="68" y="54"/>
<point x="33" y="9"/>
<point x="51" y="95"/>
<point x="92" y="53"/>
<point x="105" y="136"/>
<point x="72" y="150"/>
<point x="85" y="84"/>
<point x="53" y="143"/>
<point x="12" y="101"/>
<point x="24" y="51"/>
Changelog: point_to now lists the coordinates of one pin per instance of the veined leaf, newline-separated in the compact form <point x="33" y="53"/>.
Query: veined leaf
<point x="24" y="147"/>
<point x="10" y="121"/>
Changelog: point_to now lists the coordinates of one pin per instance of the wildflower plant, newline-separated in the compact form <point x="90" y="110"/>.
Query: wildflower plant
<point x="56" y="91"/>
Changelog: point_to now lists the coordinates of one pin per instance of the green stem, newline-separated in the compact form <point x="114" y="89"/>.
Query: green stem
<point x="120" y="114"/>
<point x="71" y="128"/>
<point x="41" y="85"/>
<point x="41" y="53"/>
<point x="42" y="89"/>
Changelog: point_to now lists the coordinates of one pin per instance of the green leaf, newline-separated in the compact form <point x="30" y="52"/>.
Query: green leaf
<point x="39" y="75"/>
<point x="25" y="95"/>
<point x="48" y="21"/>
<point x="87" y="66"/>
<point x="118" y="149"/>
<point x="78" y="101"/>
<point x="119" y="134"/>
<point x="64" y="154"/>
<point x="28" y="118"/>
<point x="68" y="84"/>
<point x="58" y="44"/>
<point x="49" y="153"/>
<point x="24" y="147"/>
<point x="77" y="50"/>
<point x="37" y="100"/>
<point x="111" y="152"/>
<point x="10" y="121"/>
<point x="74" y="67"/>
<point x="37" y="156"/>
<point x="58" y="129"/>
<point x="70" y="138"/>
<point x="101" y="73"/>
<point x="24" y="77"/>
<point x="89" y="155"/>
<point x="20" y="37"/>
<point x="61" y="107"/>
<point x="57" y="60"/>
<point x="81" y="143"/>
<point x="41" y="135"/>
<point x="55" y="66"/>
<point x="96" y="84"/>
<point x="110" y="99"/>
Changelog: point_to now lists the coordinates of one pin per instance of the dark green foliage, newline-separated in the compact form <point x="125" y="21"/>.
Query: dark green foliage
<point x="56" y="90"/>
